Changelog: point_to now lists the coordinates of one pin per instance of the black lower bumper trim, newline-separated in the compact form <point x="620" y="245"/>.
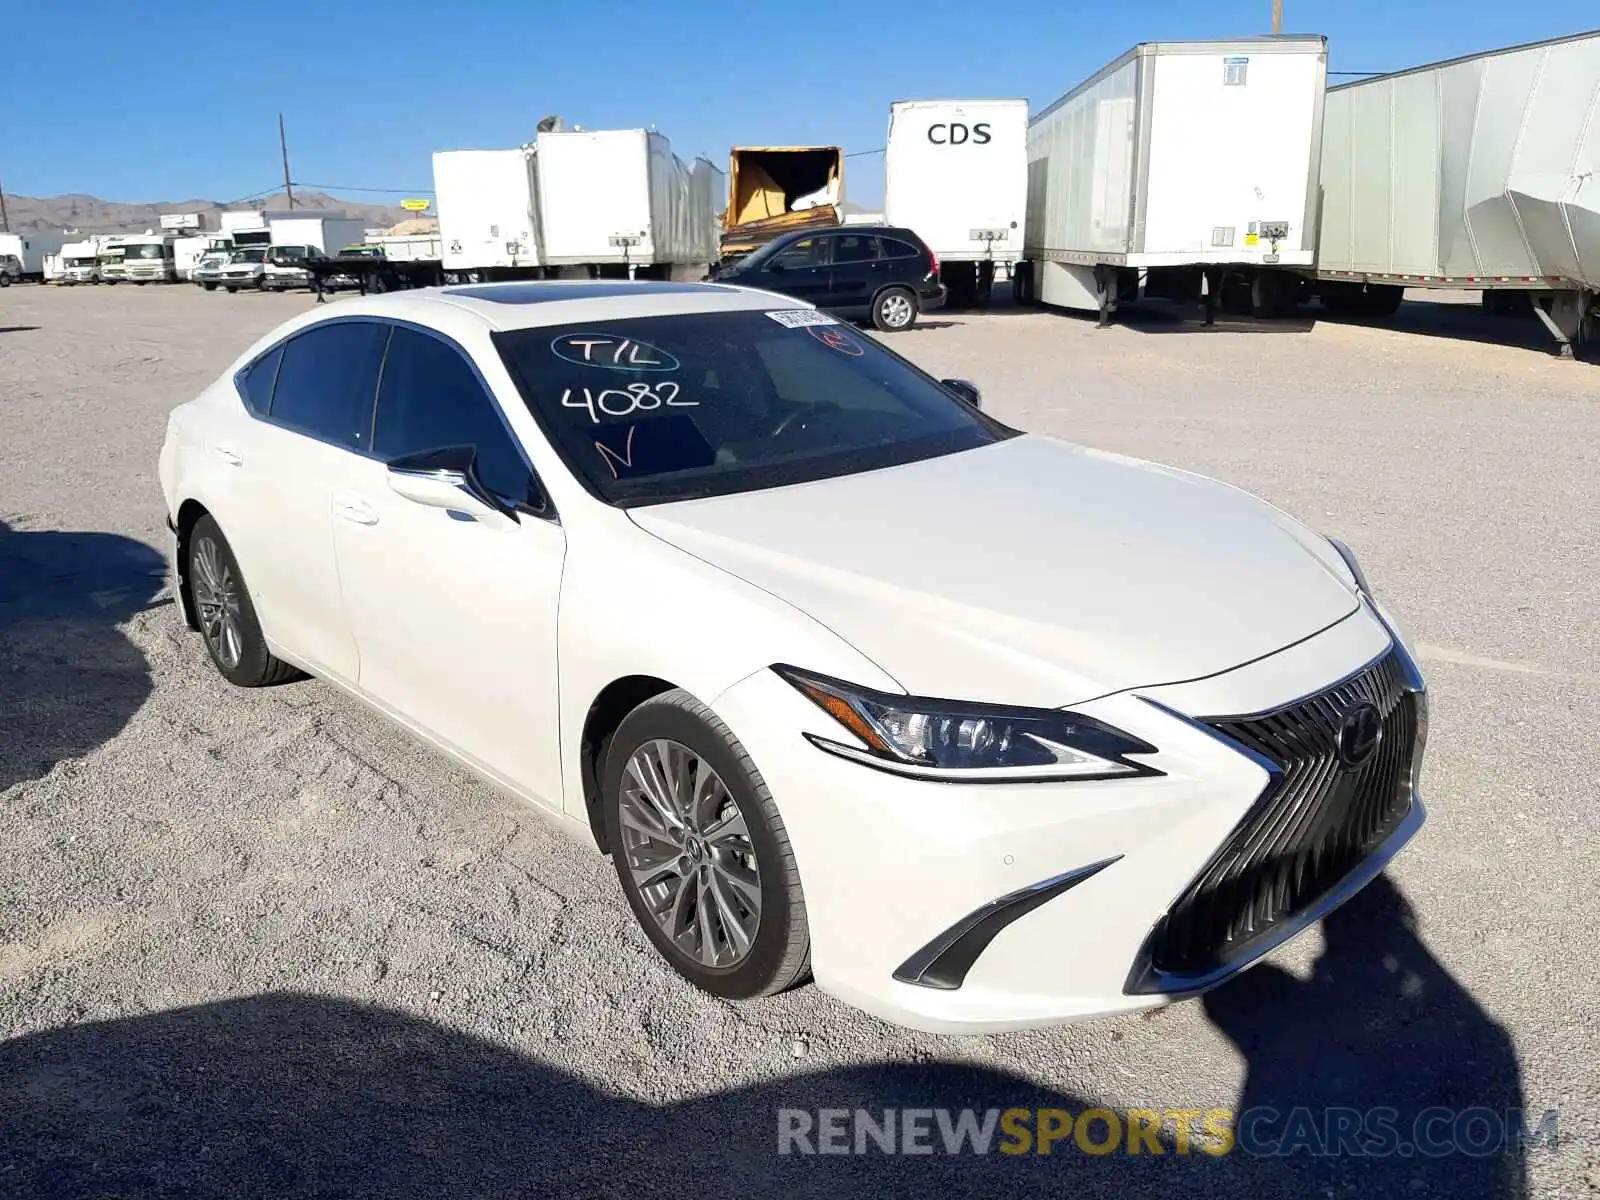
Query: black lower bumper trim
<point x="944" y="962"/>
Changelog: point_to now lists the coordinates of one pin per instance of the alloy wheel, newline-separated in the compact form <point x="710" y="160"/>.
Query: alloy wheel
<point x="896" y="311"/>
<point x="216" y="600"/>
<point x="688" y="851"/>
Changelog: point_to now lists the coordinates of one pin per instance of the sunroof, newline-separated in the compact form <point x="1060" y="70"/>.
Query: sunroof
<point x="539" y="293"/>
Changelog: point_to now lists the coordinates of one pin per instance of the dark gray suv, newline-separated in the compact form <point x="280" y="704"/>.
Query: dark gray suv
<point x="868" y="272"/>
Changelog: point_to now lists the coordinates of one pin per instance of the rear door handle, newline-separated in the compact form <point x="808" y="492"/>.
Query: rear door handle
<point x="228" y="456"/>
<point x="357" y="512"/>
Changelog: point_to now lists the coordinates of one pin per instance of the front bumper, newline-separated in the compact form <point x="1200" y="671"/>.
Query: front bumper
<point x="895" y="868"/>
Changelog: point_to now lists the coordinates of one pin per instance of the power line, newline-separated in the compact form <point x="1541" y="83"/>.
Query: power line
<point x="1362" y="73"/>
<point x="859" y="153"/>
<point x="337" y="187"/>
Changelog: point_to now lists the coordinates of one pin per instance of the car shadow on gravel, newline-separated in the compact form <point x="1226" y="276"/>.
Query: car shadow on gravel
<point x="288" y="1095"/>
<point x="18" y="328"/>
<point x="69" y="679"/>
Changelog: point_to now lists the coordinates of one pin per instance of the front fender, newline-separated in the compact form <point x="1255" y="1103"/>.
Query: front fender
<point x="633" y="605"/>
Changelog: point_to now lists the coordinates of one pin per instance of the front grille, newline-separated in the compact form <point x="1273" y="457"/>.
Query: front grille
<point x="1310" y="827"/>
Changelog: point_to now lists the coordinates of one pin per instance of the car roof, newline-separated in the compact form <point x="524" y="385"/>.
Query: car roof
<point x="899" y="231"/>
<point x="507" y="306"/>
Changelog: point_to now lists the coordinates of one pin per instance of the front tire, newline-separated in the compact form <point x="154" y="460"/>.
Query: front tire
<point x="701" y="852"/>
<point x="226" y="613"/>
<point x="895" y="310"/>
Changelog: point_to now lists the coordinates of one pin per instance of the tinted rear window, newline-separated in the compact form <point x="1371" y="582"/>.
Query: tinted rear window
<point x="327" y="381"/>
<point x="666" y="408"/>
<point x="895" y="248"/>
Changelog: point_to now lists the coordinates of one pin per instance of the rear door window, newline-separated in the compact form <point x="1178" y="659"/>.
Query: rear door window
<point x="853" y="248"/>
<point x="327" y="382"/>
<point x="430" y="397"/>
<point x="895" y="248"/>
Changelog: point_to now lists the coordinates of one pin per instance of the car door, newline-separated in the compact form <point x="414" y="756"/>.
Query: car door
<point x="854" y="274"/>
<point x="454" y="615"/>
<point x="278" y="466"/>
<point x="800" y="270"/>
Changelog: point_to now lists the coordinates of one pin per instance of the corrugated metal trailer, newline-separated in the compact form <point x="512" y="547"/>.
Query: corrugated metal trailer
<point x="1193" y="163"/>
<point x="1479" y="172"/>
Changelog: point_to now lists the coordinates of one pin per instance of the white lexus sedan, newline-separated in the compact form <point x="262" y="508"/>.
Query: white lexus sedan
<point x="979" y="729"/>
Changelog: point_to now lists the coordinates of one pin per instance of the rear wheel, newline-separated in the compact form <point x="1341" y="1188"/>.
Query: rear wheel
<point x="894" y="310"/>
<point x="701" y="852"/>
<point x="226" y="613"/>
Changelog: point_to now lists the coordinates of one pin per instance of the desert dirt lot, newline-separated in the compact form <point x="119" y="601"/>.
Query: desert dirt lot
<point x="263" y="944"/>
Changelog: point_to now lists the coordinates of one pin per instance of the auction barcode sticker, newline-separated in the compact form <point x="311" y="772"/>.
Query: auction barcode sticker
<point x="799" y="318"/>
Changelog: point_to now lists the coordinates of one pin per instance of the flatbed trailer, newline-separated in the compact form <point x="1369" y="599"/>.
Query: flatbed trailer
<point x="372" y="273"/>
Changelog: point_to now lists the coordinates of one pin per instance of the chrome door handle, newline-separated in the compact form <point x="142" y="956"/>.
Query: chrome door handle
<point x="228" y="456"/>
<point x="357" y="512"/>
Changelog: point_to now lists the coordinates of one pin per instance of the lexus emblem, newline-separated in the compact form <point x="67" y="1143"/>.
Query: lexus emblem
<point x="1360" y="731"/>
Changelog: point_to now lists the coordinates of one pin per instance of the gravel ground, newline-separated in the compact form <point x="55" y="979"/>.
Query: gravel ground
<point x="263" y="944"/>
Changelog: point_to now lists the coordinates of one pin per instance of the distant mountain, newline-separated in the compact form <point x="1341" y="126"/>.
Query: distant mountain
<point x="90" y="214"/>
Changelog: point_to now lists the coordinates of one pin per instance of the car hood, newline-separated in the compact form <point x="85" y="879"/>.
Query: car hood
<point x="1026" y="572"/>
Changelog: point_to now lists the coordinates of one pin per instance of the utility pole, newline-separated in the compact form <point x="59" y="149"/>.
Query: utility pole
<point x="5" y="221"/>
<point x="283" y="146"/>
<point x="1277" y="18"/>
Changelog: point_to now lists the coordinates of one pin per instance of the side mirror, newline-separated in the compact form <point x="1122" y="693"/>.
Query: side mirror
<point x="446" y="478"/>
<point x="966" y="390"/>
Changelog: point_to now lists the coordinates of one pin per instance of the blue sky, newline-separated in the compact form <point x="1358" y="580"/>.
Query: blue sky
<point x="120" y="107"/>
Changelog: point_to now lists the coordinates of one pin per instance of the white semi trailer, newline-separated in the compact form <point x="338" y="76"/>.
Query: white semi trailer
<point x="612" y="202"/>
<point x="1476" y="173"/>
<point x="956" y="173"/>
<point x="488" y="202"/>
<point x="1188" y="167"/>
<point x="620" y="202"/>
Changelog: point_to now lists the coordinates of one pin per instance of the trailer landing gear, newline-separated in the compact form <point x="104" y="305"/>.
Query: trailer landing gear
<point x="1567" y="318"/>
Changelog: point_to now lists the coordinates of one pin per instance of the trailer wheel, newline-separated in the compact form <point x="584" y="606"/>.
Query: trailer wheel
<point x="894" y="310"/>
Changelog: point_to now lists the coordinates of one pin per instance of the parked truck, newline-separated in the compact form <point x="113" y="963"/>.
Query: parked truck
<point x="956" y="172"/>
<point x="1190" y="168"/>
<point x="1478" y="173"/>
<point x="774" y="190"/>
<point x="30" y="249"/>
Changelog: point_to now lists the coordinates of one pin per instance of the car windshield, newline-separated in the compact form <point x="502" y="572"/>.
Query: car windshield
<point x="655" y="409"/>
<point x="142" y="251"/>
<point x="249" y="256"/>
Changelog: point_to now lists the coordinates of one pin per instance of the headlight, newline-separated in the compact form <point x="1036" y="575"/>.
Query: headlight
<point x="977" y="743"/>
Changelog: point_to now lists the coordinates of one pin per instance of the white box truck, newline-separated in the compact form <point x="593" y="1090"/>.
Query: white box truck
<point x="1193" y="165"/>
<point x="488" y="202"/>
<point x="30" y="249"/>
<point x="620" y="202"/>
<point x="956" y="174"/>
<point x="1478" y="173"/>
<point x="327" y="232"/>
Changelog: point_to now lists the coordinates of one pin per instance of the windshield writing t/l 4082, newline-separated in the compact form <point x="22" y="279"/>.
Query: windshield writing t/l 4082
<point x="625" y="401"/>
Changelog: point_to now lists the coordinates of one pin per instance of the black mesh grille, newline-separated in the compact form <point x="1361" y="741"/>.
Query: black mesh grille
<point x="1306" y="833"/>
